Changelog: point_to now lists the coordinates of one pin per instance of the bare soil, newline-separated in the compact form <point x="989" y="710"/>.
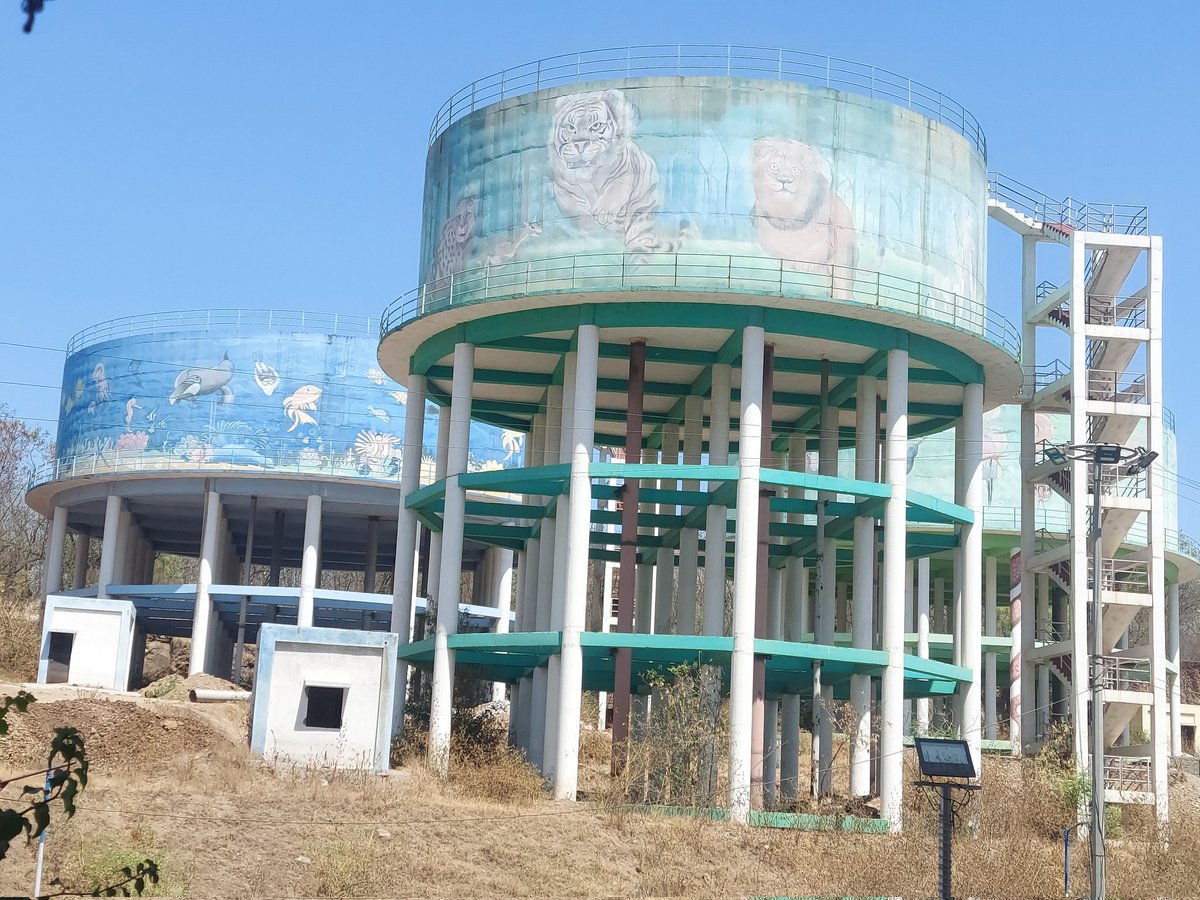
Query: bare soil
<point x="173" y="780"/>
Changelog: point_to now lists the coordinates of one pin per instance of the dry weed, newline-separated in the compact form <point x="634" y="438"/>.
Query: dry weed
<point x="20" y="638"/>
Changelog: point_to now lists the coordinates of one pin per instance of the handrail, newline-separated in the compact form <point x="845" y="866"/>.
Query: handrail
<point x="727" y="60"/>
<point x="258" y="319"/>
<point x="703" y="273"/>
<point x="1112" y="218"/>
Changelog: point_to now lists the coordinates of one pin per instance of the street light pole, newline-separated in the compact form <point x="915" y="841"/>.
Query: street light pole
<point x="1099" y="455"/>
<point x="1097" y="672"/>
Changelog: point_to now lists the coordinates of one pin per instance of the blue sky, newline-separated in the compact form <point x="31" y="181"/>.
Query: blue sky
<point x="206" y="153"/>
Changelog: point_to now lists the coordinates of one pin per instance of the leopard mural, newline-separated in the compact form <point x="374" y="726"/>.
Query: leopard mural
<point x="798" y="216"/>
<point x="598" y="173"/>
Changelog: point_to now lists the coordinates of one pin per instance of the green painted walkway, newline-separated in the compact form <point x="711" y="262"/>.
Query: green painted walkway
<point x="509" y="657"/>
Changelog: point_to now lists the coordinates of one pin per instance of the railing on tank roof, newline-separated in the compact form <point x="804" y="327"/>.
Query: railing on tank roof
<point x="1168" y="420"/>
<point x="703" y="273"/>
<point x="710" y="59"/>
<point x="1113" y="218"/>
<point x="269" y="319"/>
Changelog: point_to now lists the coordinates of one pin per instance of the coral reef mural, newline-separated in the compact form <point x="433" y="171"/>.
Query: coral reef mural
<point x="223" y="399"/>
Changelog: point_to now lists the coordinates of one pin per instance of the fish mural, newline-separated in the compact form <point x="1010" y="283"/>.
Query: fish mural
<point x="266" y="377"/>
<point x="298" y="406"/>
<point x="198" y="381"/>
<point x="400" y="397"/>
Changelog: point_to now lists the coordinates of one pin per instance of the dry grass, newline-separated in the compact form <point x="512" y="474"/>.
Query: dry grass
<point x="226" y="826"/>
<point x="20" y="638"/>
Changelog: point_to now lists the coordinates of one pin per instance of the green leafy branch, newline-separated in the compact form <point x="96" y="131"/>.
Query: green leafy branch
<point x="133" y="881"/>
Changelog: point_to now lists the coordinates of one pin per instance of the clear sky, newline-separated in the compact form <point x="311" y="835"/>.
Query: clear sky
<point x="212" y="153"/>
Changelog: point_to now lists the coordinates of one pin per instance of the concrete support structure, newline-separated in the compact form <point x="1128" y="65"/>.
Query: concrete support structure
<point x="202" y="617"/>
<point x="891" y="630"/>
<point x="55" y="547"/>
<point x="863" y="590"/>
<point x="310" y="560"/>
<point x="83" y="550"/>
<point x="403" y="572"/>
<point x="745" y="564"/>
<point x="971" y="548"/>
<point x="1173" y="661"/>
<point x="989" y="659"/>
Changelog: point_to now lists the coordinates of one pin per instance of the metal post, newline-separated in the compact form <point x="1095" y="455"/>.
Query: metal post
<point x="1097" y="690"/>
<point x="947" y="834"/>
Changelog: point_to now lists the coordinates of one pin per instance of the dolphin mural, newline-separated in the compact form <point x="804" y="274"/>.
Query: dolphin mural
<point x="200" y="380"/>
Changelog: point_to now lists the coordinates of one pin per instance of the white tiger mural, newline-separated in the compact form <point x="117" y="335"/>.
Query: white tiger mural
<point x="599" y="174"/>
<point x="798" y="217"/>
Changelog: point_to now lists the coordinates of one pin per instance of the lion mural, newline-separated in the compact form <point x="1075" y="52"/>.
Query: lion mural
<point x="598" y="174"/>
<point x="798" y="217"/>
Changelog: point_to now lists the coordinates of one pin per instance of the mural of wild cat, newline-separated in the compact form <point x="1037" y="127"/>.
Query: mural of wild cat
<point x="797" y="215"/>
<point x="454" y="240"/>
<point x="599" y="175"/>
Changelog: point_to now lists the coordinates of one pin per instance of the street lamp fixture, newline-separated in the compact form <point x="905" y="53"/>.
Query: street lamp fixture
<point x="1099" y="455"/>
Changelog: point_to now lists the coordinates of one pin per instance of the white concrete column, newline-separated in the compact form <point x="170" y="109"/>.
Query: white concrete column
<point x="309" y="561"/>
<point x="990" y="713"/>
<point x="715" y="518"/>
<point x="545" y="586"/>
<point x="558" y="591"/>
<point x="796" y="590"/>
<point x="583" y="426"/>
<point x="83" y="550"/>
<point x="501" y="583"/>
<point x="689" y="538"/>
<point x="403" y="572"/>
<point x="109" y="546"/>
<point x="453" y="522"/>
<point x="1173" y="659"/>
<point x="771" y="707"/>
<point x="909" y="572"/>
<point x="922" y="603"/>
<point x="745" y="565"/>
<point x="826" y="598"/>
<point x="203" y="613"/>
<point x="123" y="544"/>
<point x="52" y="574"/>
<point x="971" y="544"/>
<point x="434" y="574"/>
<point x="1021" y="700"/>
<point x="895" y="538"/>
<point x="863" y="588"/>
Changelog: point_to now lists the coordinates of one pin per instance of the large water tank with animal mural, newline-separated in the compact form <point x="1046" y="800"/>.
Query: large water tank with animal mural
<point x="242" y="390"/>
<point x="726" y="170"/>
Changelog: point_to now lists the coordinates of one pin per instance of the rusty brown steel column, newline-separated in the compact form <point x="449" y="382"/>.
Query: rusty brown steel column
<point x="623" y="660"/>
<point x="760" y="588"/>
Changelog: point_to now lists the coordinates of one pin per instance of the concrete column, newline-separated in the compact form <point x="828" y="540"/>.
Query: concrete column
<point x="453" y="522"/>
<point x="796" y="590"/>
<point x="109" y="548"/>
<point x="434" y="576"/>
<point x="372" y="559"/>
<point x="122" y="547"/>
<point x="309" y="561"/>
<point x="745" y="559"/>
<point x="83" y="549"/>
<point x="895" y="536"/>
<point x="971" y="545"/>
<point x="771" y="707"/>
<point x="909" y="572"/>
<point x="1173" y="659"/>
<point x="715" y="518"/>
<point x="52" y="575"/>
<point x="826" y="599"/>
<point x="793" y="630"/>
<point x="1042" y="696"/>
<point x="1021" y="700"/>
<point x="922" y="603"/>
<point x="501" y="583"/>
<point x="534" y="450"/>
<point x="558" y="591"/>
<point x="689" y="538"/>
<point x="403" y="572"/>
<point x="990" y="714"/>
<point x="538" y="752"/>
<point x="863" y="587"/>
<point x="243" y="606"/>
<point x="202" y="616"/>
<point x="277" y="535"/>
<point x="566" y="772"/>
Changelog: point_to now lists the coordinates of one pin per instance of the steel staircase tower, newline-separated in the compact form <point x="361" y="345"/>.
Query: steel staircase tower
<point x="1109" y="313"/>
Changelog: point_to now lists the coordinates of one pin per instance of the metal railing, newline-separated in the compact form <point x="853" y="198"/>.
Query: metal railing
<point x="237" y="319"/>
<point x="1121" y="673"/>
<point x="1128" y="575"/>
<point x="1112" y="218"/>
<point x="728" y="60"/>
<point x="1051" y="632"/>
<point x="1124" y="773"/>
<point x="701" y="273"/>
<point x="1048" y="373"/>
<point x="1116" y="386"/>
<point x="1122" y="312"/>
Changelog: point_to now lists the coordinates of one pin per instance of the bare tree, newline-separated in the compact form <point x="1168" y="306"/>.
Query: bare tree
<point x="22" y="531"/>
